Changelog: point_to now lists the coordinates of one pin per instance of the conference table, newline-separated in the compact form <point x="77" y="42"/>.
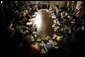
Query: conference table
<point x="44" y="21"/>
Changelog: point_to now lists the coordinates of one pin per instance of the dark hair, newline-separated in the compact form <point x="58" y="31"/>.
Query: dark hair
<point x="57" y="6"/>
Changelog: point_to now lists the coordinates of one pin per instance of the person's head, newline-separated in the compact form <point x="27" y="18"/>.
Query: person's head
<point x="69" y="16"/>
<point x="20" y="23"/>
<point x="66" y="14"/>
<point x="62" y="13"/>
<point x="42" y="41"/>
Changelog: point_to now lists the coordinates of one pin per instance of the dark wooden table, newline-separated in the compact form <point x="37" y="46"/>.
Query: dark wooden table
<point x="47" y="22"/>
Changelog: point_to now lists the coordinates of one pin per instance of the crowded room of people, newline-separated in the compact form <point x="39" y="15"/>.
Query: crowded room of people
<point x="42" y="28"/>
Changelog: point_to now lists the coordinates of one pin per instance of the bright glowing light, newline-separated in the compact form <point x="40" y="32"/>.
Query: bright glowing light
<point x="38" y="21"/>
<point x="35" y="35"/>
<point x="29" y="23"/>
<point x="58" y="38"/>
<point x="1" y="2"/>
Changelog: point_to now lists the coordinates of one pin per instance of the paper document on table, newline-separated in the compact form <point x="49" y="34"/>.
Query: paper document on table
<point x="53" y="16"/>
<point x="28" y="23"/>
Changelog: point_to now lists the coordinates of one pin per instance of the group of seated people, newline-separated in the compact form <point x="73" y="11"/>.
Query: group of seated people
<point x="28" y="42"/>
<point x="24" y="35"/>
<point x="65" y="17"/>
<point x="68" y="24"/>
<point x="20" y="32"/>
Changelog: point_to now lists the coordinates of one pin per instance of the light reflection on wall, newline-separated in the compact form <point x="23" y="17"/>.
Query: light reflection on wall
<point x="43" y="22"/>
<point x="38" y="21"/>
